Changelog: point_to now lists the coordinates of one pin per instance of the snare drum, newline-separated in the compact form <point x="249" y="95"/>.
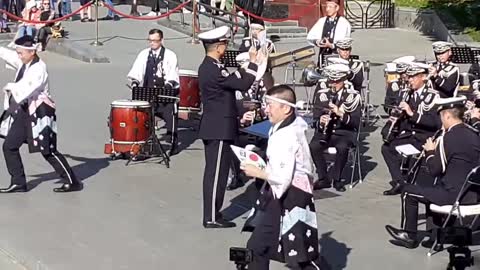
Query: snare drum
<point x="189" y="91"/>
<point x="130" y="121"/>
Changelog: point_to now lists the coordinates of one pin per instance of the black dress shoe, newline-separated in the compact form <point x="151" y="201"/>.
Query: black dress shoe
<point x="218" y="224"/>
<point x="69" y="187"/>
<point x="14" y="188"/>
<point x="339" y="186"/>
<point x="402" y="237"/>
<point x="429" y="243"/>
<point x="395" y="190"/>
<point x="321" y="184"/>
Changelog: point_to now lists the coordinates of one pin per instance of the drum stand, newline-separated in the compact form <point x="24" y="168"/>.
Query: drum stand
<point x="154" y="96"/>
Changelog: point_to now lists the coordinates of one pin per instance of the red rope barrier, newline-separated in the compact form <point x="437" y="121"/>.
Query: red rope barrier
<point x="147" y="18"/>
<point x="294" y="18"/>
<point x="13" y="16"/>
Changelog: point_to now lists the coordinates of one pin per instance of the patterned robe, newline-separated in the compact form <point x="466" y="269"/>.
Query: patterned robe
<point x="30" y="92"/>
<point x="290" y="171"/>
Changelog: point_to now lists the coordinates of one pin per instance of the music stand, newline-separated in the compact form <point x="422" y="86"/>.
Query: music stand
<point x="154" y="95"/>
<point x="230" y="59"/>
<point x="462" y="55"/>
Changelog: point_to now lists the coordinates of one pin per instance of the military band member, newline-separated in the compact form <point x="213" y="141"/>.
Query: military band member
<point x="449" y="158"/>
<point x="327" y="30"/>
<point x="157" y="66"/>
<point x="29" y="116"/>
<point x="445" y="75"/>
<point x="287" y="231"/>
<point x="397" y="80"/>
<point x="416" y="122"/>
<point x="219" y="123"/>
<point x="344" y="50"/>
<point x="337" y="110"/>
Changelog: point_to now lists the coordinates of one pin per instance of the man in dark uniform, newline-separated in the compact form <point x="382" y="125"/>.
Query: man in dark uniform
<point x="416" y="122"/>
<point x="157" y="66"/>
<point x="344" y="50"/>
<point x="338" y="113"/>
<point x="449" y="158"/>
<point x="219" y="123"/>
<point x="445" y="76"/>
<point x="397" y="81"/>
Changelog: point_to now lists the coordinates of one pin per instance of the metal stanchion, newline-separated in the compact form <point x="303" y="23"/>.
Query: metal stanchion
<point x="96" y="42"/>
<point x="194" y="39"/>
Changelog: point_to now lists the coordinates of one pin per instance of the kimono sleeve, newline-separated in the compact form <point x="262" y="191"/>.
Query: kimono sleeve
<point x="281" y="163"/>
<point x="171" y="71"/>
<point x="10" y="57"/>
<point x="34" y="78"/>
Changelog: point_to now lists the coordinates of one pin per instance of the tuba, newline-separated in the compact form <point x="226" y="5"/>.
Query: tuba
<point x="311" y="75"/>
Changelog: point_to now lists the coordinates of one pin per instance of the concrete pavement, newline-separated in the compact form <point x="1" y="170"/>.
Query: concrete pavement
<point x="145" y="216"/>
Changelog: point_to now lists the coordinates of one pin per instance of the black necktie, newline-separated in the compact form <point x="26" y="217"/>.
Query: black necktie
<point x="20" y="73"/>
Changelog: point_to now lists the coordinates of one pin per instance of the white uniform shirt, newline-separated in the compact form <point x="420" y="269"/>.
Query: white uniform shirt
<point x="35" y="78"/>
<point x="170" y="67"/>
<point x="289" y="159"/>
<point x="343" y="30"/>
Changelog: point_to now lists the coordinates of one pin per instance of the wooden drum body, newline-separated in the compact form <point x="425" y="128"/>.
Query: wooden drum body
<point x="130" y="121"/>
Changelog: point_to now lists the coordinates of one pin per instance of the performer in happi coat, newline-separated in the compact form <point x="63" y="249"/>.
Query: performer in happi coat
<point x="157" y="66"/>
<point x="29" y="116"/>
<point x="287" y="228"/>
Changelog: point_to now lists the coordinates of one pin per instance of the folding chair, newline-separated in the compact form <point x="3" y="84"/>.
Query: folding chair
<point x="354" y="158"/>
<point x="460" y="211"/>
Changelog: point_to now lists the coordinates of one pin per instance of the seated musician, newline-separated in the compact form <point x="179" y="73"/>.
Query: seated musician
<point x="157" y="67"/>
<point x="445" y="76"/>
<point x="413" y="122"/>
<point x="337" y="110"/>
<point x="395" y="86"/>
<point x="344" y="50"/>
<point x="449" y="158"/>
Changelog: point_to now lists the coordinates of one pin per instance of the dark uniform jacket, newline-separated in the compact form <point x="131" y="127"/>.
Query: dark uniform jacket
<point x="356" y="76"/>
<point x="456" y="154"/>
<point x="447" y="80"/>
<point x="348" y="99"/>
<point x="425" y="121"/>
<point x="217" y="88"/>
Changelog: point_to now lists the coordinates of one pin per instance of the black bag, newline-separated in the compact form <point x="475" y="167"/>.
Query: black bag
<point x="258" y="209"/>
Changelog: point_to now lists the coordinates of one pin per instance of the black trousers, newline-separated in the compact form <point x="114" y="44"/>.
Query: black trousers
<point x="394" y="160"/>
<point x="169" y="113"/>
<point x="264" y="239"/>
<point x="413" y="195"/>
<point x="43" y="35"/>
<point x="218" y="158"/>
<point x="342" y="143"/>
<point x="16" y="137"/>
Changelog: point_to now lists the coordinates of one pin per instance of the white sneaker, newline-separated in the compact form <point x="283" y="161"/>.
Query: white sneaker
<point x="153" y="14"/>
<point x="202" y="9"/>
<point x="11" y="45"/>
<point x="186" y="11"/>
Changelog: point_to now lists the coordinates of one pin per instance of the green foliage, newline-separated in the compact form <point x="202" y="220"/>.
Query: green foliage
<point x="465" y="12"/>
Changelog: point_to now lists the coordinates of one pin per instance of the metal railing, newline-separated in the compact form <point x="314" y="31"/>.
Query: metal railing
<point x="377" y="14"/>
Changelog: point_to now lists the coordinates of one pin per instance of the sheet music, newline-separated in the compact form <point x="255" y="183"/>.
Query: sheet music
<point x="248" y="157"/>
<point x="407" y="150"/>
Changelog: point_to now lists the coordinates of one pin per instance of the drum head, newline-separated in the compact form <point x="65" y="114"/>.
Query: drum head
<point x="130" y="103"/>
<point x="186" y="72"/>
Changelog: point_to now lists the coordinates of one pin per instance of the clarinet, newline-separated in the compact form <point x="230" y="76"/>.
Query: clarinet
<point x="391" y="129"/>
<point x="326" y="129"/>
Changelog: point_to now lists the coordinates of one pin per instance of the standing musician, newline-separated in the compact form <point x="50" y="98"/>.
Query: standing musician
<point x="219" y="124"/>
<point x="449" y="158"/>
<point x="412" y="122"/>
<point x="397" y="81"/>
<point x="29" y="116"/>
<point x="157" y="67"/>
<point x="287" y="230"/>
<point x="327" y="30"/>
<point x="445" y="76"/>
<point x="338" y="110"/>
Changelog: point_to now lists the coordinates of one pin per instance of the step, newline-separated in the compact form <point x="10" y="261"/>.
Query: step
<point x="285" y="23"/>
<point x="286" y="29"/>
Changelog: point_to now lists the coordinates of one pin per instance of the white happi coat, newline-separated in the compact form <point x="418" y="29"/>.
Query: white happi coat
<point x="32" y="88"/>
<point x="289" y="160"/>
<point x="168" y="67"/>
<point x="343" y="30"/>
